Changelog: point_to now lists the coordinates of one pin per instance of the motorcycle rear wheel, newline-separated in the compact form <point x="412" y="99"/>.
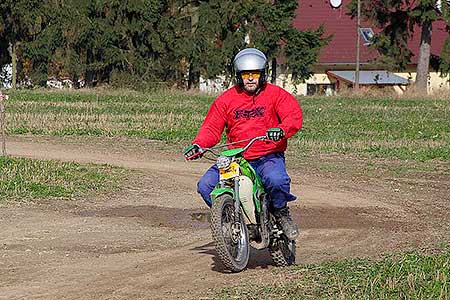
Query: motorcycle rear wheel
<point x="230" y="234"/>
<point x="283" y="251"/>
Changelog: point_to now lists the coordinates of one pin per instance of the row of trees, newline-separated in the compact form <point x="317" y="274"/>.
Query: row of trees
<point x="136" y="42"/>
<point x="147" y="41"/>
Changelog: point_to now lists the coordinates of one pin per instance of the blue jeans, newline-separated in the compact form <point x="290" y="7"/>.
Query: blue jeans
<point x="272" y="171"/>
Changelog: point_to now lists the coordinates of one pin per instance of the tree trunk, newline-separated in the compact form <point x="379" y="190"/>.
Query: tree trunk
<point x="273" y="78"/>
<point x="193" y="77"/>
<point x="13" y="53"/>
<point x="89" y="73"/>
<point x="424" y="58"/>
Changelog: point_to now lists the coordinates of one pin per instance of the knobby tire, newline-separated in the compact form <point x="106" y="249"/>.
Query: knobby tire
<point x="282" y="252"/>
<point x="233" y="256"/>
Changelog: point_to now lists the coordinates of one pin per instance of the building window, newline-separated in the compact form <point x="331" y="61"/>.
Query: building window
<point x="367" y="34"/>
<point x="321" y="89"/>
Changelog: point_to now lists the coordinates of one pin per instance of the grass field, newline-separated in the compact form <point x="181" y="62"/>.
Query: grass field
<point x="415" y="132"/>
<point x="27" y="179"/>
<point x="407" y="129"/>
<point x="405" y="276"/>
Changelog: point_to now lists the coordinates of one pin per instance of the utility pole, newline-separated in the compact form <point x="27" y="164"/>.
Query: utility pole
<point x="358" y="29"/>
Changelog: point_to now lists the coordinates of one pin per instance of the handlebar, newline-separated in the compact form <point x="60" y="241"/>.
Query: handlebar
<point x="212" y="149"/>
<point x="258" y="138"/>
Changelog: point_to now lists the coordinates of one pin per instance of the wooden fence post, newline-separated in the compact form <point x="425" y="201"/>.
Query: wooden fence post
<point x="2" y="122"/>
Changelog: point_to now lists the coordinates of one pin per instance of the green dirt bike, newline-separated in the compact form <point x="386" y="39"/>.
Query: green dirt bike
<point x="240" y="217"/>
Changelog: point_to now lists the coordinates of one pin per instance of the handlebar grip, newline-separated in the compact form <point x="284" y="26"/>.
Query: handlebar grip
<point x="195" y="155"/>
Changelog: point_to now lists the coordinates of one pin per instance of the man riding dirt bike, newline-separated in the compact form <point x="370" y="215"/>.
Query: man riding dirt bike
<point x="253" y="108"/>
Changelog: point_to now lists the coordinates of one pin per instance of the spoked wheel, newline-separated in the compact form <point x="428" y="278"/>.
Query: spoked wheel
<point x="283" y="251"/>
<point x="229" y="234"/>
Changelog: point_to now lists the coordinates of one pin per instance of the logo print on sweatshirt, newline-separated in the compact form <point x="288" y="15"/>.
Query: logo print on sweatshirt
<point x="249" y="113"/>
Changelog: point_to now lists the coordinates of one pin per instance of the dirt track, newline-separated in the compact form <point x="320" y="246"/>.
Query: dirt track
<point x="151" y="240"/>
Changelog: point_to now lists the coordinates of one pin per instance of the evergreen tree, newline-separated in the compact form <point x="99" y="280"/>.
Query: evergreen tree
<point x="21" y="21"/>
<point x="218" y="32"/>
<point x="444" y="59"/>
<point x="141" y="42"/>
<point x="398" y="20"/>
<point x="98" y="40"/>
<point x="4" y="60"/>
<point x="225" y="27"/>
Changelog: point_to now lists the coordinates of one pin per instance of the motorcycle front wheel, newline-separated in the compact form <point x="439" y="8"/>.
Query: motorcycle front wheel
<point x="230" y="234"/>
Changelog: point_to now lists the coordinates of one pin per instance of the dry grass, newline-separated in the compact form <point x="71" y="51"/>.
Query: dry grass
<point x="377" y="126"/>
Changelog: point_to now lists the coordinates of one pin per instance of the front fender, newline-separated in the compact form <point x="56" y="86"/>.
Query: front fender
<point x="220" y="191"/>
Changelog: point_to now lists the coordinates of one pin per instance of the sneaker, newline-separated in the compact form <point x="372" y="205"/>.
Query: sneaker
<point x="284" y="218"/>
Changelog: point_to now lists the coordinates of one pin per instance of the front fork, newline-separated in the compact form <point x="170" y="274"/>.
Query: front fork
<point x="237" y="202"/>
<point x="236" y="225"/>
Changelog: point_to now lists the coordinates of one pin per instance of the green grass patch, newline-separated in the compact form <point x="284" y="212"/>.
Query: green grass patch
<point x="406" y="276"/>
<point x="401" y="128"/>
<point x="28" y="179"/>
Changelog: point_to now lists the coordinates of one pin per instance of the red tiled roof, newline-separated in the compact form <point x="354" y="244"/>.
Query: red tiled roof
<point x="342" y="48"/>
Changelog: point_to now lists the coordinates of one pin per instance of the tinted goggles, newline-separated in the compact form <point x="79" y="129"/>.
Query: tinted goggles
<point x="254" y="74"/>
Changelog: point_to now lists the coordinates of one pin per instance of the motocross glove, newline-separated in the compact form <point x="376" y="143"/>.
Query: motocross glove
<point x="275" y="134"/>
<point x="192" y="152"/>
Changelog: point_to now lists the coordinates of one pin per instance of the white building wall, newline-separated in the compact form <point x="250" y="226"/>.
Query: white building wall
<point x="213" y="86"/>
<point x="436" y="83"/>
<point x="6" y="76"/>
<point x="301" y="89"/>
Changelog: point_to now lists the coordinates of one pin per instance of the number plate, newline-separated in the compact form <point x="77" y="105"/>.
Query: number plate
<point x="231" y="172"/>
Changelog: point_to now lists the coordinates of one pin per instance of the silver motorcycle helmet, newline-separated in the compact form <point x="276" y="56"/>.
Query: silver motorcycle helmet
<point x="250" y="59"/>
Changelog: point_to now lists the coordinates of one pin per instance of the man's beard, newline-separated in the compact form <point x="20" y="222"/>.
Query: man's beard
<point x="251" y="89"/>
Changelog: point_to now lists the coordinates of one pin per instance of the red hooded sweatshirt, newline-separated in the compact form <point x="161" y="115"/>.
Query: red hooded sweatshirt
<point x="246" y="116"/>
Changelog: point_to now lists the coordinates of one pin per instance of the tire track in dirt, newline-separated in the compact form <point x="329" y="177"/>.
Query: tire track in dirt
<point x="151" y="241"/>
